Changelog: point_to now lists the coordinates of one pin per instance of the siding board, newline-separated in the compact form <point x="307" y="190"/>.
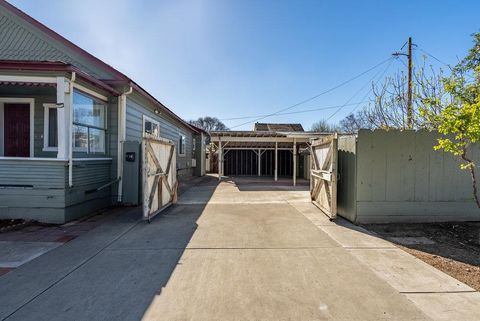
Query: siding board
<point x="169" y="129"/>
<point x="39" y="47"/>
<point x="402" y="179"/>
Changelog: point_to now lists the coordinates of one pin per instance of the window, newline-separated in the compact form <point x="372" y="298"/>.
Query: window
<point x="181" y="145"/>
<point x="194" y="144"/>
<point x="50" y="132"/>
<point x="89" y="123"/>
<point x="151" y="127"/>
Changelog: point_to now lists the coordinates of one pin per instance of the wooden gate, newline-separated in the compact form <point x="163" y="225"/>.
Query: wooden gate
<point x="159" y="175"/>
<point x="323" y="177"/>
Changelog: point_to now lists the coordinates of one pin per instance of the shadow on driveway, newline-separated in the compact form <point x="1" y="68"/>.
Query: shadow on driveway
<point x="111" y="273"/>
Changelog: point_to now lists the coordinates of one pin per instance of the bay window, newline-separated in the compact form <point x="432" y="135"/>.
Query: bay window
<point x="89" y="123"/>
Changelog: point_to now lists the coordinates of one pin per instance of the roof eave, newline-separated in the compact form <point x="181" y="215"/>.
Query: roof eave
<point x="49" y="32"/>
<point x="55" y="66"/>
<point x="153" y="100"/>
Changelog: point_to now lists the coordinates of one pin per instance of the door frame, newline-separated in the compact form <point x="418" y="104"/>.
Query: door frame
<point x="13" y="100"/>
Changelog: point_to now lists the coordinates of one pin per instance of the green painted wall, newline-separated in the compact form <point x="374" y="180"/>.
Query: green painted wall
<point x="39" y="190"/>
<point x="347" y="177"/>
<point x="169" y="129"/>
<point x="398" y="177"/>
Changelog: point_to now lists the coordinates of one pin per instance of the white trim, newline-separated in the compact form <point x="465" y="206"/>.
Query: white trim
<point x="259" y="139"/>
<point x="33" y="159"/>
<point x="153" y="121"/>
<point x="85" y="159"/>
<point x="12" y="100"/>
<point x="46" y="159"/>
<point x="90" y="92"/>
<point x="62" y="119"/>
<point x="121" y="133"/>
<point x="35" y="79"/>
<point x="46" y="125"/>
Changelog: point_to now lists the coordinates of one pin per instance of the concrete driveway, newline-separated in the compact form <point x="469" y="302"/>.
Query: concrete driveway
<point x="239" y="250"/>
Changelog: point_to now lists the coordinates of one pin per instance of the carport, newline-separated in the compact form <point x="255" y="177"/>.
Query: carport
<point x="262" y="153"/>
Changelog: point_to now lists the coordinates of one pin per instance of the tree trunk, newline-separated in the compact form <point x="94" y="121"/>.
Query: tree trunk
<point x="471" y="167"/>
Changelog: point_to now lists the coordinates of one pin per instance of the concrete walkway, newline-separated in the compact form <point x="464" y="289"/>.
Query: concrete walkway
<point x="234" y="251"/>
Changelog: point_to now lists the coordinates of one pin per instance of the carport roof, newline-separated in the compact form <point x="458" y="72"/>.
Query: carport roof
<point x="249" y="133"/>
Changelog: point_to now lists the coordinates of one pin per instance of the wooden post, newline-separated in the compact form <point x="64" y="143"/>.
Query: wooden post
<point x="63" y="118"/>
<point x="294" y="162"/>
<point x="409" y="93"/>
<point x="276" y="162"/>
<point x="220" y="159"/>
<point x="259" y="162"/>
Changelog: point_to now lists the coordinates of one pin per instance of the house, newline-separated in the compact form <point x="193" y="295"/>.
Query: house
<point x="269" y="127"/>
<point x="71" y="127"/>
<point x="276" y="150"/>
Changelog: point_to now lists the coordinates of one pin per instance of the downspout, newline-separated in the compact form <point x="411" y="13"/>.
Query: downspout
<point x="122" y="116"/>
<point x="70" y="131"/>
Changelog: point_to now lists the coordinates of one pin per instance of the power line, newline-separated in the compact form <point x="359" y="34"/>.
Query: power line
<point x="368" y="92"/>
<point x="432" y="56"/>
<point x="294" y="112"/>
<point x="316" y="96"/>
<point x="358" y="91"/>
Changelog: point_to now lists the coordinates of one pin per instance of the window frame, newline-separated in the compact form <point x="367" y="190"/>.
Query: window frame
<point x="104" y="129"/>
<point x="182" y="142"/>
<point x="46" y="127"/>
<point x="145" y="119"/>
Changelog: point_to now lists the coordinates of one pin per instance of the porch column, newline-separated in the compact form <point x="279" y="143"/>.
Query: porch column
<point x="276" y="162"/>
<point x="259" y="162"/>
<point x="294" y="162"/>
<point x="220" y="159"/>
<point x="65" y="99"/>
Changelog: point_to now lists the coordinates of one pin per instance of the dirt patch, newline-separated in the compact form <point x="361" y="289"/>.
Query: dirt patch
<point x="453" y="248"/>
<point x="12" y="224"/>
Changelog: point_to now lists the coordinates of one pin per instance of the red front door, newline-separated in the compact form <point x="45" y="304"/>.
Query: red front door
<point x="16" y="135"/>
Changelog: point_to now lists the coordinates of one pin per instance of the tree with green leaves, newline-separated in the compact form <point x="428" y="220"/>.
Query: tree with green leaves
<point x="459" y="120"/>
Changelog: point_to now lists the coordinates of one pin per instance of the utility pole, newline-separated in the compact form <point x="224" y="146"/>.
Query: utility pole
<point x="409" y="85"/>
<point x="409" y="95"/>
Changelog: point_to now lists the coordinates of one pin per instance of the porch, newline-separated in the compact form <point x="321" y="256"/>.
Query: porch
<point x="57" y="142"/>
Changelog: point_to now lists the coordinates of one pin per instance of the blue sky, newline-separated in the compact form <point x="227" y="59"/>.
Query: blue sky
<point x="228" y="58"/>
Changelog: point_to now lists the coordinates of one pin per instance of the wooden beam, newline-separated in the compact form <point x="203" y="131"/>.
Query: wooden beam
<point x="259" y="162"/>
<point x="260" y="139"/>
<point x="276" y="162"/>
<point x="294" y="162"/>
<point x="220" y="160"/>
